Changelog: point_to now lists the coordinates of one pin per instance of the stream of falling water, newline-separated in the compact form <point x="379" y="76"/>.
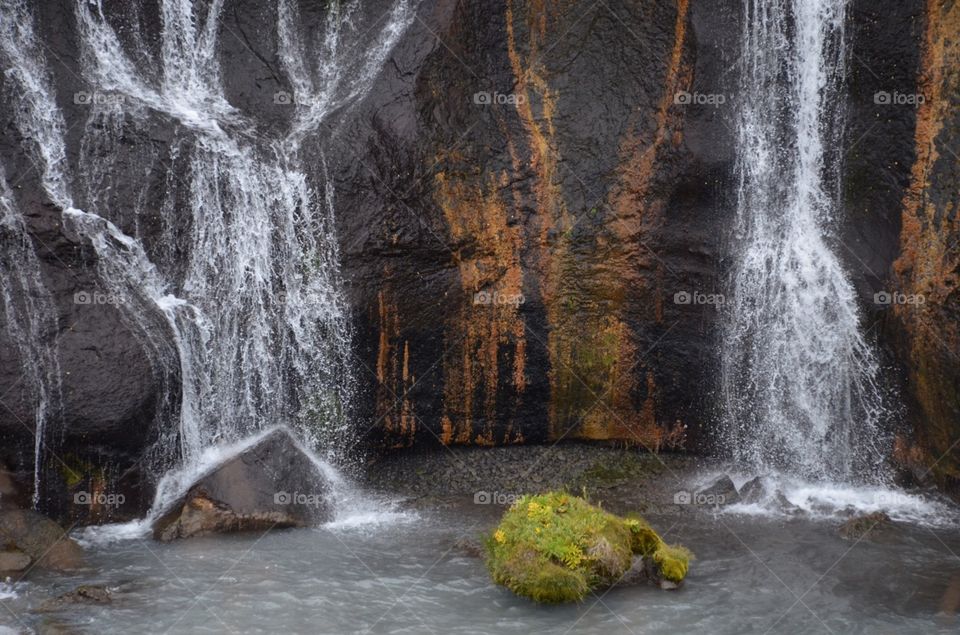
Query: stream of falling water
<point x="240" y="300"/>
<point x="800" y="380"/>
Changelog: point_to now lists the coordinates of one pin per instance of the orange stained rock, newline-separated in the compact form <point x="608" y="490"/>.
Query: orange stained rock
<point x="394" y="378"/>
<point x="929" y="262"/>
<point x="487" y="327"/>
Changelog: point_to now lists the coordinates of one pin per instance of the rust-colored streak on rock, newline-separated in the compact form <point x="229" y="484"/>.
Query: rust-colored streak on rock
<point x="394" y="379"/>
<point x="554" y="218"/>
<point x="593" y="351"/>
<point x="487" y="327"/>
<point x="636" y="216"/>
<point x="929" y="264"/>
<point x="532" y="88"/>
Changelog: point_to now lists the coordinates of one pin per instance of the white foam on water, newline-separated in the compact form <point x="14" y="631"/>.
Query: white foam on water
<point x="9" y="591"/>
<point x="832" y="501"/>
<point x="370" y="513"/>
<point x="100" y="535"/>
<point x="352" y="507"/>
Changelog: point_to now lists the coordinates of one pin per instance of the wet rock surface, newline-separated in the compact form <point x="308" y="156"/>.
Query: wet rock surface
<point x="754" y="490"/>
<point x="875" y="526"/>
<point x="273" y="484"/>
<point x="43" y="540"/>
<point x="86" y="594"/>
<point x="13" y="560"/>
<point x="721" y="492"/>
<point x="201" y="515"/>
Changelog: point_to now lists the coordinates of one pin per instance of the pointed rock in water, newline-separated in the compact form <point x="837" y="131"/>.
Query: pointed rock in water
<point x="272" y="485"/>
<point x="781" y="502"/>
<point x="722" y="492"/>
<point x="754" y="490"/>
<point x="40" y="538"/>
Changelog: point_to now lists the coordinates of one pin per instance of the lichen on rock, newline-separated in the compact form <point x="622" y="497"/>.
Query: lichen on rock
<point x="556" y="548"/>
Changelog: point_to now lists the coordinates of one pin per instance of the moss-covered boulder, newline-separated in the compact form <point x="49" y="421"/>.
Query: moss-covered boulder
<point x="556" y="547"/>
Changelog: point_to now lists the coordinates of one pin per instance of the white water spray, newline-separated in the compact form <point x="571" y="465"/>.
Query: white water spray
<point x="799" y="378"/>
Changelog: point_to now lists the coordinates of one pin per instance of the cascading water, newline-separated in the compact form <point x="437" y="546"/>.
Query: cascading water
<point x="30" y="317"/>
<point x="800" y="381"/>
<point x="239" y="300"/>
<point x="28" y="306"/>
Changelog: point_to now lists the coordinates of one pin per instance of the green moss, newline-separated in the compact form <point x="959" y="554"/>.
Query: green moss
<point x="555" y="548"/>
<point x="643" y="539"/>
<point x="672" y="561"/>
<point x="75" y="471"/>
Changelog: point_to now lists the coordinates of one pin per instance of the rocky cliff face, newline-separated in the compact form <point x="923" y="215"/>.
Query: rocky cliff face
<point x="533" y="206"/>
<point x="558" y="212"/>
<point x="928" y="265"/>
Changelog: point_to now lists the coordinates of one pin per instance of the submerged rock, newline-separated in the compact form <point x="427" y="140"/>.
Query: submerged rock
<point x="272" y="485"/>
<point x="873" y="525"/>
<point x="469" y="547"/>
<point x="44" y="541"/>
<point x="83" y="594"/>
<point x="556" y="548"/>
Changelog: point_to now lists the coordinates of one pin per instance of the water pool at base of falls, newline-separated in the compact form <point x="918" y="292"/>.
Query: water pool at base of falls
<point x="774" y="574"/>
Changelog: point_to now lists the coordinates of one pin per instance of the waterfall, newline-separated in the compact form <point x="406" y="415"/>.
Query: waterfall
<point x="29" y="311"/>
<point x="30" y="317"/>
<point x="800" y="381"/>
<point x="239" y="301"/>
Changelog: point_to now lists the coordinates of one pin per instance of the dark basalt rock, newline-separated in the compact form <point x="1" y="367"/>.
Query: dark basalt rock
<point x="272" y="485"/>
<point x="754" y="490"/>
